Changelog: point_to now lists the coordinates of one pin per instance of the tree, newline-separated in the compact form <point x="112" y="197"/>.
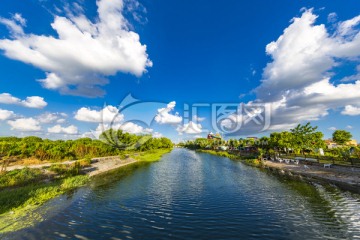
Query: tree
<point x="341" y="137"/>
<point x="305" y="137"/>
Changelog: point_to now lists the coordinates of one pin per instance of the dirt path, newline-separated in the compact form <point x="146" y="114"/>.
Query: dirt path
<point x="98" y="165"/>
<point x="10" y="168"/>
<point x="104" y="165"/>
<point x="346" y="177"/>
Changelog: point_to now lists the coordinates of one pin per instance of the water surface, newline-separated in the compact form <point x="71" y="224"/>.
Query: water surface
<point x="190" y="195"/>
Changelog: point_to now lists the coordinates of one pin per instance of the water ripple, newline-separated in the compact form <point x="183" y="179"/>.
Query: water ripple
<point x="199" y="196"/>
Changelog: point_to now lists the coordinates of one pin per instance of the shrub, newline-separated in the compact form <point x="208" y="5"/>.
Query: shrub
<point x="21" y="177"/>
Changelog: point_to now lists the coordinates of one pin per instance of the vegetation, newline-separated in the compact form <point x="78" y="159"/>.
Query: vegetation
<point x="112" y="142"/>
<point x="220" y="153"/>
<point x="303" y="140"/>
<point x="21" y="177"/>
<point x="20" y="201"/>
<point x="341" y="137"/>
<point x="151" y="155"/>
<point x="23" y="190"/>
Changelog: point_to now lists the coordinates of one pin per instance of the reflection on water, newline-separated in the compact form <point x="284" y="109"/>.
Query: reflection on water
<point x="190" y="195"/>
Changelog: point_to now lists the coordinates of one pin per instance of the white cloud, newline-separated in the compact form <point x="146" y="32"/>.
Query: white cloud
<point x="351" y="110"/>
<point x="157" y="135"/>
<point x="66" y="130"/>
<point x="164" y="116"/>
<point x="83" y="52"/>
<point x="61" y="120"/>
<point x="30" y="102"/>
<point x="106" y="115"/>
<point x="6" y="114"/>
<point x="47" y="117"/>
<point x="133" y="128"/>
<point x="189" y="128"/>
<point x="332" y="17"/>
<point x="15" y="24"/>
<point x="349" y="127"/>
<point x="25" y="124"/>
<point x="348" y="27"/>
<point x="332" y="128"/>
<point x="298" y="81"/>
<point x="128" y="127"/>
<point x="196" y="118"/>
<point x="300" y="57"/>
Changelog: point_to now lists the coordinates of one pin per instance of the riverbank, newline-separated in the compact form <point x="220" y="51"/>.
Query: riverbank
<point x="345" y="178"/>
<point x="247" y="161"/>
<point x="17" y="201"/>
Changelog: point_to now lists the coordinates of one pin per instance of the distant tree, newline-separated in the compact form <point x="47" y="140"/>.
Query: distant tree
<point x="341" y="136"/>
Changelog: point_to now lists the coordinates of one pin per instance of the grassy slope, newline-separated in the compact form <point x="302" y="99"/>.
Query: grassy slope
<point x="17" y="202"/>
<point x="251" y="162"/>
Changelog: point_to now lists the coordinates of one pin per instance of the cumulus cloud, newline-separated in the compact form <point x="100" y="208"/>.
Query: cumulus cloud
<point x="83" y="52"/>
<point x="30" y="102"/>
<point x="189" y="128"/>
<point x="6" y="114"/>
<point x="61" y="120"/>
<point x="165" y="117"/>
<point x="106" y="115"/>
<point x="298" y="82"/>
<point x="349" y="127"/>
<point x="133" y="128"/>
<point x="51" y="117"/>
<point x="25" y="124"/>
<point x="128" y="127"/>
<point x="351" y="110"/>
<point x="72" y="130"/>
<point x="332" y="128"/>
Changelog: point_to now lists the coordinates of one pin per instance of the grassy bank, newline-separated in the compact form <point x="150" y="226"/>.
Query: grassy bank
<point x="23" y="191"/>
<point x="147" y="156"/>
<point x="245" y="160"/>
<point x="18" y="202"/>
<point x="220" y="153"/>
<point x="36" y="194"/>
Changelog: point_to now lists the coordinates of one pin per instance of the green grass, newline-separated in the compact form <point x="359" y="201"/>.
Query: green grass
<point x="18" y="202"/>
<point x="36" y="194"/>
<point x="220" y="153"/>
<point x="254" y="162"/>
<point x="66" y="170"/>
<point x="150" y="156"/>
<point x="24" y="190"/>
<point x="248" y="160"/>
<point x="21" y="177"/>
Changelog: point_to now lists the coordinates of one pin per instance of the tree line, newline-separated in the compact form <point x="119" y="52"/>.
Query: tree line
<point x="303" y="140"/>
<point x="58" y="150"/>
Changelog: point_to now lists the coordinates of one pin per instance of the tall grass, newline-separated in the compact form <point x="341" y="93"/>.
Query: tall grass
<point x="35" y="194"/>
<point x="21" y="177"/>
<point x="151" y="155"/>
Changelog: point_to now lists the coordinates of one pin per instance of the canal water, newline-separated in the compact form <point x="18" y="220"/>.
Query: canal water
<point x="189" y="195"/>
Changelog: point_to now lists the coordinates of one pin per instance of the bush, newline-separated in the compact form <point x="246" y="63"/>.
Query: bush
<point x="66" y="170"/>
<point x="21" y="177"/>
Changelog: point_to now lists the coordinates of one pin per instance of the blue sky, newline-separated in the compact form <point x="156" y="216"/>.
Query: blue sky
<point x="63" y="61"/>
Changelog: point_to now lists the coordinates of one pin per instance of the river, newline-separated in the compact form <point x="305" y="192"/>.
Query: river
<point x="189" y="195"/>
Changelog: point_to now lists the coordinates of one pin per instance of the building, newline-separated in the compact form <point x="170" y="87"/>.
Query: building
<point x="331" y="144"/>
<point x="214" y="136"/>
<point x="352" y="143"/>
